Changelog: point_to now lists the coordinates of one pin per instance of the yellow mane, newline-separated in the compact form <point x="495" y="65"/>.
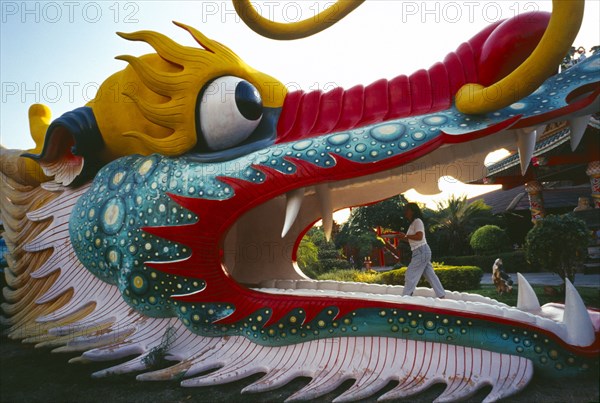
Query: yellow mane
<point x="156" y="107"/>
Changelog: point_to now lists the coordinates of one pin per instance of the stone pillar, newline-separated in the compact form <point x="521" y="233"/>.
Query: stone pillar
<point x="593" y="171"/>
<point x="536" y="200"/>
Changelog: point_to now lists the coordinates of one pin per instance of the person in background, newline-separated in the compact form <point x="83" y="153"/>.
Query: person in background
<point x="582" y="56"/>
<point x="502" y="280"/>
<point x="420" y="263"/>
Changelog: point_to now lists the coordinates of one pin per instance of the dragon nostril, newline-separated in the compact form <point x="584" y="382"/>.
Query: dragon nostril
<point x="248" y="100"/>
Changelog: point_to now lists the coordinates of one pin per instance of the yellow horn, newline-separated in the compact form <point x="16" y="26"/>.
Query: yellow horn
<point x="293" y="30"/>
<point x="542" y="63"/>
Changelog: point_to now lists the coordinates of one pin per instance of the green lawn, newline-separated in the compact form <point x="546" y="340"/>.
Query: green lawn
<point x="590" y="295"/>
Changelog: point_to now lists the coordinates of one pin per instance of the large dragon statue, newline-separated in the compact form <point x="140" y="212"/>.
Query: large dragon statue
<point x="163" y="225"/>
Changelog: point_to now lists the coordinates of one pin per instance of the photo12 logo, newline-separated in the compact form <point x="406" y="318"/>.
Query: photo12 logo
<point x="463" y="11"/>
<point x="53" y="12"/>
<point x="71" y="91"/>
<point x="283" y="11"/>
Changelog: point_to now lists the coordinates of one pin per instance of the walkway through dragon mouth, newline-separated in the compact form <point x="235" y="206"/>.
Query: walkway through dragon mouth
<point x="254" y="249"/>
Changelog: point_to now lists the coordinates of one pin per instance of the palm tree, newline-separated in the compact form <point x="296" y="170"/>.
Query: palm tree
<point x="453" y="223"/>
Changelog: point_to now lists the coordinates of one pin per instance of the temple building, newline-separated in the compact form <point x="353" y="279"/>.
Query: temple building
<point x="563" y="175"/>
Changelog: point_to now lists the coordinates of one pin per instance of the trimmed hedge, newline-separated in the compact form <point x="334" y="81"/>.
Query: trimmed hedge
<point x="512" y="262"/>
<point x="489" y="239"/>
<point x="453" y="278"/>
<point x="349" y="275"/>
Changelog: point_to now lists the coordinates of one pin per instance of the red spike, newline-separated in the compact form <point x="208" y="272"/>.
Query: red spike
<point x="399" y="93"/>
<point x="420" y="92"/>
<point x="352" y="108"/>
<point x="329" y="112"/>
<point x="289" y="114"/>
<point x="440" y="87"/>
<point x="375" y="102"/>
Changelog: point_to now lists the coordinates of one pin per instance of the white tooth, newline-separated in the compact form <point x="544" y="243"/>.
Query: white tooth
<point x="294" y="202"/>
<point x="526" y="143"/>
<point x="526" y="300"/>
<point x="324" y="195"/>
<point x="576" y="318"/>
<point x="578" y="127"/>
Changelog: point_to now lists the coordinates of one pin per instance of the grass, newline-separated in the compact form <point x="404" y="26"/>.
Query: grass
<point x="590" y="295"/>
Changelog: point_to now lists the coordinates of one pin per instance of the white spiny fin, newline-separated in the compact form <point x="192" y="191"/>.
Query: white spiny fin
<point x="292" y="207"/>
<point x="526" y="144"/>
<point x="177" y="371"/>
<point x="580" y="329"/>
<point x="287" y="356"/>
<point x="458" y="390"/>
<point x="514" y="378"/>
<point x="325" y="382"/>
<point x="83" y="343"/>
<point x="360" y="391"/>
<point x="272" y="380"/>
<point x="578" y="126"/>
<point x="80" y="326"/>
<point x="135" y="365"/>
<point x="112" y="353"/>
<point x="410" y="387"/>
<point x="380" y="373"/>
<point x="230" y="373"/>
<point x="526" y="300"/>
<point x="324" y="195"/>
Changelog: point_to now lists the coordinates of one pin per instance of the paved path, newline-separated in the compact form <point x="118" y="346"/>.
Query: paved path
<point x="581" y="280"/>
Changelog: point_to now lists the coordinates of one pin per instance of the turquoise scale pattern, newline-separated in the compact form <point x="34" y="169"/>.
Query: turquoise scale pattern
<point x="106" y="230"/>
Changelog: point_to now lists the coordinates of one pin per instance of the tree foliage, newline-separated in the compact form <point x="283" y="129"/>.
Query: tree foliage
<point x="454" y="221"/>
<point x="307" y="252"/>
<point x="358" y="232"/>
<point x="316" y="255"/>
<point x="388" y="214"/>
<point x="489" y="239"/>
<point x="558" y="243"/>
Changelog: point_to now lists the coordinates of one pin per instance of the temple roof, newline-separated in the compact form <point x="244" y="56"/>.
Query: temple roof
<point x="553" y="159"/>
<point x="516" y="199"/>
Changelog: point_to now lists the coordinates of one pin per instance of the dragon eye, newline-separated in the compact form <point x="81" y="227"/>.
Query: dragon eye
<point x="229" y="111"/>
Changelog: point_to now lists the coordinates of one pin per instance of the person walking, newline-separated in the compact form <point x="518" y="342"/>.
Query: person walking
<point x="420" y="263"/>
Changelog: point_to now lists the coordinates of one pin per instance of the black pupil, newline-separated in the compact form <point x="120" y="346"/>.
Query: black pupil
<point x="248" y="100"/>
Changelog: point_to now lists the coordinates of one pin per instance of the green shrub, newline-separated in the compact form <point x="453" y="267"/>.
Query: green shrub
<point x="454" y="278"/>
<point x="339" y="275"/>
<point x="370" y="277"/>
<point x="558" y="244"/>
<point x="513" y="262"/>
<point x="328" y="259"/>
<point x="489" y="239"/>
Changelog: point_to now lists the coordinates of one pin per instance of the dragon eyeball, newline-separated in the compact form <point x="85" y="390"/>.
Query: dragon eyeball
<point x="229" y="111"/>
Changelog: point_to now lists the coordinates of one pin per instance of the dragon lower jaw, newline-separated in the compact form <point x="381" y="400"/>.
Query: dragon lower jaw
<point x="256" y="255"/>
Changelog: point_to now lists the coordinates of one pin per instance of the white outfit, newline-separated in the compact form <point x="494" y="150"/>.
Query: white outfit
<point x="416" y="226"/>
<point x="420" y="264"/>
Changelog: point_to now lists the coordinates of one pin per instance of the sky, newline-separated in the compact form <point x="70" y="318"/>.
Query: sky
<point x="59" y="52"/>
